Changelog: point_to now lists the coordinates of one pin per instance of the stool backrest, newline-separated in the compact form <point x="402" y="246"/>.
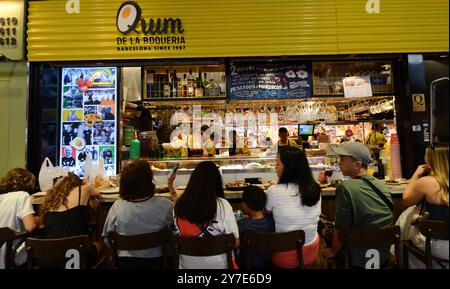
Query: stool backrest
<point x="273" y="242"/>
<point x="58" y="249"/>
<point x="371" y="239"/>
<point x="6" y="237"/>
<point x="204" y="246"/>
<point x="161" y="238"/>
<point x="432" y="229"/>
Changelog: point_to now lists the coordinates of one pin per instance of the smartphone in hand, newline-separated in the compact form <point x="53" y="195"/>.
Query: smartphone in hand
<point x="174" y="170"/>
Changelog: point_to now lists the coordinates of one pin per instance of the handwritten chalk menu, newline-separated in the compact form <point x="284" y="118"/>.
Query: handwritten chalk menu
<point x="274" y="80"/>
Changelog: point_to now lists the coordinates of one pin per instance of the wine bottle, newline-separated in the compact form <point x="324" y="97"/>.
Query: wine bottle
<point x="174" y="84"/>
<point x="167" y="84"/>
<point x="198" y="86"/>
<point x="184" y="88"/>
<point x="206" y="85"/>
<point x="191" y="84"/>
<point x="222" y="85"/>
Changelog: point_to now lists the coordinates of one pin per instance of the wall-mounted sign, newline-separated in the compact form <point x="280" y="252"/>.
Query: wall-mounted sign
<point x="98" y="30"/>
<point x="11" y="29"/>
<point x="418" y="101"/>
<point x="147" y="34"/>
<point x="357" y="86"/>
<point x="277" y="80"/>
<point x="88" y="117"/>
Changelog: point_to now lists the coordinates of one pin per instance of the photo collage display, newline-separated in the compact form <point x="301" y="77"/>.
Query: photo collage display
<point x="89" y="117"/>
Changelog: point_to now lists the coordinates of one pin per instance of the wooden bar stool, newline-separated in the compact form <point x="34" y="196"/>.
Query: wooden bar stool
<point x="273" y="242"/>
<point x="204" y="246"/>
<point x="372" y="239"/>
<point x="431" y="230"/>
<point x="162" y="238"/>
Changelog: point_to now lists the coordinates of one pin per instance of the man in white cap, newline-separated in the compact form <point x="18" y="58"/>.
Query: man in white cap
<point x="363" y="202"/>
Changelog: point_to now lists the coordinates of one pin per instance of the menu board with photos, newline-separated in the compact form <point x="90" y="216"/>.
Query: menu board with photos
<point x="272" y="80"/>
<point x="89" y="117"/>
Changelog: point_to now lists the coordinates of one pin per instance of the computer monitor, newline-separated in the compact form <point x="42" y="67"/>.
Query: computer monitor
<point x="305" y="129"/>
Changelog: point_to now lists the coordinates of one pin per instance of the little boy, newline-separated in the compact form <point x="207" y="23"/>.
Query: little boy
<point x="253" y="202"/>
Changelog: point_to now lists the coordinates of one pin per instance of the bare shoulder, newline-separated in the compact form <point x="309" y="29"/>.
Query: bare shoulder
<point x="427" y="184"/>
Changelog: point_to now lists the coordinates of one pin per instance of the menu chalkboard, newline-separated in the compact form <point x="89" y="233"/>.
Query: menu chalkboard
<point x="274" y="80"/>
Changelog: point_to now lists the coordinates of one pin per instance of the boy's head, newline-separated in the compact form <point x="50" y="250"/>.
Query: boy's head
<point x="254" y="199"/>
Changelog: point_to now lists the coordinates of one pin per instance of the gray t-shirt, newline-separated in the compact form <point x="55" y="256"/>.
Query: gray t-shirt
<point x="134" y="218"/>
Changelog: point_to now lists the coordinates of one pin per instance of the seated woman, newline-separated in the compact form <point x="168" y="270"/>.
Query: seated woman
<point x="428" y="189"/>
<point x="64" y="213"/>
<point x="16" y="211"/>
<point x="138" y="212"/>
<point x="203" y="211"/>
<point x="296" y="205"/>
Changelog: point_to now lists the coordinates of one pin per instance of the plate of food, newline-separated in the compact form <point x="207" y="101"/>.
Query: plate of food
<point x="236" y="186"/>
<point x="110" y="190"/>
<point x="392" y="182"/>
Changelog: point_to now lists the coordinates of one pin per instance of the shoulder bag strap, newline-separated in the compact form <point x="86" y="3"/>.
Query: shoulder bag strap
<point x="379" y="193"/>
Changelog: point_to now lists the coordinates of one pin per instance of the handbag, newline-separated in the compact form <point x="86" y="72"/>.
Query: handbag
<point x="325" y="228"/>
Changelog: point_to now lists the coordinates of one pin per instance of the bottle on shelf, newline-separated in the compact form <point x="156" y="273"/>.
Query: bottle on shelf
<point x="205" y="84"/>
<point x="166" y="84"/>
<point x="135" y="147"/>
<point x="184" y="86"/>
<point x="199" y="86"/>
<point x="191" y="84"/>
<point x="222" y="85"/>
<point x="175" y="81"/>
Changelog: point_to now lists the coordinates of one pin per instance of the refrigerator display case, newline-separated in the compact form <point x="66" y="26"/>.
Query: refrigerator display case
<point x="232" y="169"/>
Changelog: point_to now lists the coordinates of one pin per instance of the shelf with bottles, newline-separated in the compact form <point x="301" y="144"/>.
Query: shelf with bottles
<point x="184" y="82"/>
<point x="328" y="76"/>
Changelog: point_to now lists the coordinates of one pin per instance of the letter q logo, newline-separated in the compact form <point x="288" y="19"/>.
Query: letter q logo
<point x="72" y="6"/>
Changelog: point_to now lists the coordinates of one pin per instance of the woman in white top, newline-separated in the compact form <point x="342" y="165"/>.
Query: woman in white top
<point x="295" y="204"/>
<point x="16" y="211"/>
<point x="202" y="211"/>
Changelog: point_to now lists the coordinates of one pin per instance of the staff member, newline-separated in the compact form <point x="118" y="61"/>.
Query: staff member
<point x="284" y="142"/>
<point x="376" y="136"/>
<point x="237" y="146"/>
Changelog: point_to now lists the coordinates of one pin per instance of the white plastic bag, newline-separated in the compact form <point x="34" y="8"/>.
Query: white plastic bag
<point x="92" y="170"/>
<point x="48" y="174"/>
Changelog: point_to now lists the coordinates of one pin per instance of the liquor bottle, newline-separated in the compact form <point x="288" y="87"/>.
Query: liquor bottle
<point x="135" y="147"/>
<point x="222" y="85"/>
<point x="206" y="85"/>
<point x="199" y="86"/>
<point x="191" y="84"/>
<point x="167" y="84"/>
<point x="185" y="86"/>
<point x="174" y="92"/>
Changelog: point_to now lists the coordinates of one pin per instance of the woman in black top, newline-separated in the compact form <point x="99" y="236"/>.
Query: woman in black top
<point x="65" y="213"/>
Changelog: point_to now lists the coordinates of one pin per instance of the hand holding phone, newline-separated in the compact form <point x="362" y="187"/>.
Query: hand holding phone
<point x="174" y="170"/>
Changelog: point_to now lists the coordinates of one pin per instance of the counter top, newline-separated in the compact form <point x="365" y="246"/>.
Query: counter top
<point x="111" y="196"/>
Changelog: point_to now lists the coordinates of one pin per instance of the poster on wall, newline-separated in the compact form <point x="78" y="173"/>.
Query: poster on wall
<point x="357" y="86"/>
<point x="273" y="80"/>
<point x="88" y="117"/>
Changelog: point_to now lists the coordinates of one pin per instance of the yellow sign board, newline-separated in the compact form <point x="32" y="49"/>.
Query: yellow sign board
<point x="118" y="29"/>
<point x="11" y="29"/>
